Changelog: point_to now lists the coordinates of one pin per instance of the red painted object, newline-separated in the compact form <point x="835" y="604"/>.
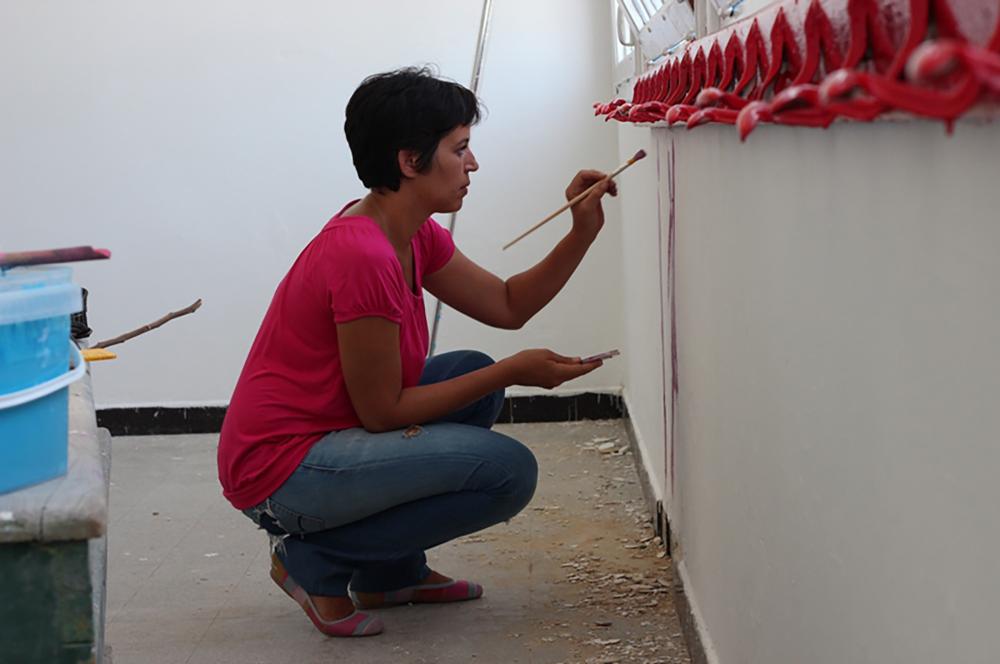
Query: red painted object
<point x="810" y="62"/>
<point x="49" y="256"/>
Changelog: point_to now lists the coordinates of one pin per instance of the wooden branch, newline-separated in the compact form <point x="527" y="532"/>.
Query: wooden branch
<point x="151" y="326"/>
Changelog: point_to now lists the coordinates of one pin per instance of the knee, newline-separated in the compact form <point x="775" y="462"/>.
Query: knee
<point x="522" y="468"/>
<point x="493" y="404"/>
<point x="488" y="408"/>
<point x="471" y="360"/>
<point x="479" y="360"/>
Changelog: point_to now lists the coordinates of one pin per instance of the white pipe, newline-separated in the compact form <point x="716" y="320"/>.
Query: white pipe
<point x="477" y="67"/>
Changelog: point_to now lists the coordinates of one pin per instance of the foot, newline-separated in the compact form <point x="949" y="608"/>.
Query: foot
<point x="332" y="608"/>
<point x="436" y="588"/>
<point x="334" y="616"/>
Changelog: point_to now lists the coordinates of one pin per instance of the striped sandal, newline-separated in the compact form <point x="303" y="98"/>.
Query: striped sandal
<point x="432" y="593"/>
<point x="356" y="624"/>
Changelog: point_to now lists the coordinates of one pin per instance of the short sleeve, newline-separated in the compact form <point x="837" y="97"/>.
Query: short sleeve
<point x="361" y="278"/>
<point x="436" y="245"/>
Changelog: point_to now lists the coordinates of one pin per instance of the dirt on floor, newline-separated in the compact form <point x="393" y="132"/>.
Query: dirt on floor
<point x="576" y="578"/>
<point x="588" y="541"/>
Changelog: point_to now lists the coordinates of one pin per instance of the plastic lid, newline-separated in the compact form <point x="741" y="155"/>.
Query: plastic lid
<point x="19" y="278"/>
<point x="32" y="293"/>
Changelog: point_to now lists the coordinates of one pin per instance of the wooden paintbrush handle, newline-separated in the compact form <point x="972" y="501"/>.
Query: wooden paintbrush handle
<point x="576" y="199"/>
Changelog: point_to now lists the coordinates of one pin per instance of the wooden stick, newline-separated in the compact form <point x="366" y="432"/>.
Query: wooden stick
<point x="151" y="326"/>
<point x="576" y="199"/>
<point x="45" y="256"/>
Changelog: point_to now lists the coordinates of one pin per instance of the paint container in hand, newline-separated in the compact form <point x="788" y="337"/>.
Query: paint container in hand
<point x="35" y="308"/>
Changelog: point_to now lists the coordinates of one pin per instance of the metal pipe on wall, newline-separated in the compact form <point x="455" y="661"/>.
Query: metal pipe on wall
<point x="477" y="67"/>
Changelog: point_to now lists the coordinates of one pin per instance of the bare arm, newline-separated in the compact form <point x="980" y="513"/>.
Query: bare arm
<point x="476" y="292"/>
<point x="369" y="351"/>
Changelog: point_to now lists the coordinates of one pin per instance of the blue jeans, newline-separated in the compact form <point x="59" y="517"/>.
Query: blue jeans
<point x="362" y="507"/>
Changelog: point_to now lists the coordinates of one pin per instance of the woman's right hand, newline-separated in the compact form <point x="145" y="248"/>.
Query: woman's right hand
<point x="540" y="367"/>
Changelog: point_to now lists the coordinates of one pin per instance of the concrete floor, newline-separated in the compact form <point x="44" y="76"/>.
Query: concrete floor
<point x="573" y="578"/>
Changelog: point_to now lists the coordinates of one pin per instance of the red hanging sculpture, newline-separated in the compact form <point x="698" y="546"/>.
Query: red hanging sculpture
<point x="810" y="62"/>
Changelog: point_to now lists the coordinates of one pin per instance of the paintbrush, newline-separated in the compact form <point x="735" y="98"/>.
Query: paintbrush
<point x="45" y="256"/>
<point x="576" y="199"/>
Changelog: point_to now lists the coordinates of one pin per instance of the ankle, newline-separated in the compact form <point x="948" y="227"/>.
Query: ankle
<point x="436" y="577"/>
<point x="332" y="608"/>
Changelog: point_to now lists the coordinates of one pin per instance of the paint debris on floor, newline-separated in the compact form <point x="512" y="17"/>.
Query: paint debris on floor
<point x="577" y="577"/>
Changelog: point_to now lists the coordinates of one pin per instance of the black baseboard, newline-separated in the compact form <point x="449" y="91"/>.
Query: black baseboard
<point x="546" y="408"/>
<point x="685" y="614"/>
<point x="157" y="421"/>
<point x="149" y="421"/>
<point x="661" y="526"/>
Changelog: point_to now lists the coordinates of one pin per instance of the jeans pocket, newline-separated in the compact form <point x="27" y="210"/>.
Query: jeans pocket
<point x="293" y="522"/>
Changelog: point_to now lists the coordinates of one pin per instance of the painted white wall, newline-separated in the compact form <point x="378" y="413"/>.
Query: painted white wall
<point x="646" y="323"/>
<point x="547" y="64"/>
<point x="839" y="380"/>
<point x="835" y="437"/>
<point x="203" y="144"/>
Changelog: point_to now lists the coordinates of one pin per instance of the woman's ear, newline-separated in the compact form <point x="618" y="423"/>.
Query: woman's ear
<point x="408" y="163"/>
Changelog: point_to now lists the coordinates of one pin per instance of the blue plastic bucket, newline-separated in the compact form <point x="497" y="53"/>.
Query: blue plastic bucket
<point x="34" y="428"/>
<point x="35" y="304"/>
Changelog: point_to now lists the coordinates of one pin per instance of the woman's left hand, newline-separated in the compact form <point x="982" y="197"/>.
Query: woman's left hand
<point x="588" y="214"/>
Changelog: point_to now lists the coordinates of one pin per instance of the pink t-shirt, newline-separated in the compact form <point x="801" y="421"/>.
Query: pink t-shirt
<point x="291" y="391"/>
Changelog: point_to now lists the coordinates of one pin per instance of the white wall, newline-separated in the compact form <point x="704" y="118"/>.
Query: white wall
<point x="644" y="295"/>
<point x="835" y="439"/>
<point x="839" y="379"/>
<point x="547" y="64"/>
<point x="203" y="144"/>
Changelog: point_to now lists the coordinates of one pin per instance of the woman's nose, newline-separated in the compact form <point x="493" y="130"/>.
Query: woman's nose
<point x="472" y="164"/>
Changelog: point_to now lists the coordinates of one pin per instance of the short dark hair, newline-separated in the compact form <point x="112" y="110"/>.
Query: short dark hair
<point x="405" y="109"/>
